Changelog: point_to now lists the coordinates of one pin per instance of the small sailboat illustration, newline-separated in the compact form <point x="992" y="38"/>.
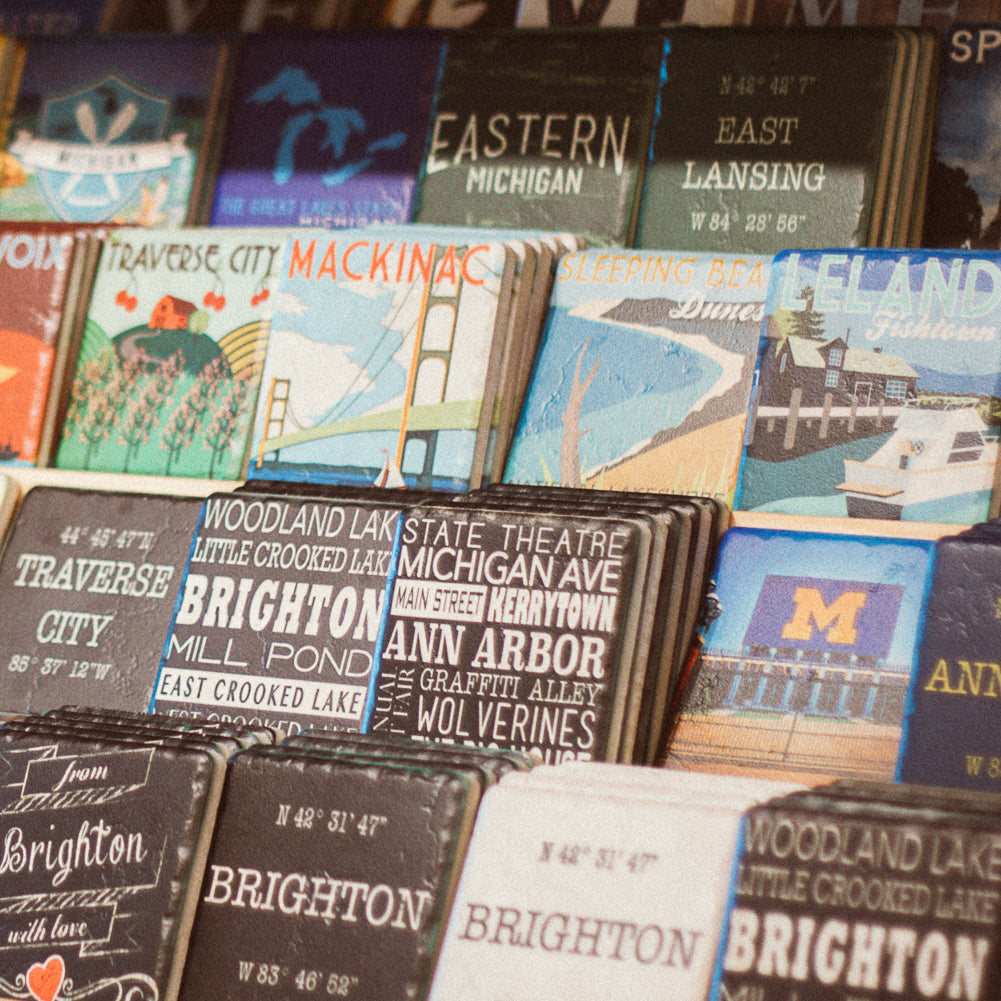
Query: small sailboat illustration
<point x="390" y="475"/>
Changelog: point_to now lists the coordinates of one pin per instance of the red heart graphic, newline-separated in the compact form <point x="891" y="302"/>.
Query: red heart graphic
<point x="44" y="980"/>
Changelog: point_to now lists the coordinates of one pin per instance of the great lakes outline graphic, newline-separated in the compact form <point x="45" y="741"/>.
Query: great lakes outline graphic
<point x="326" y="129"/>
<point x="293" y="86"/>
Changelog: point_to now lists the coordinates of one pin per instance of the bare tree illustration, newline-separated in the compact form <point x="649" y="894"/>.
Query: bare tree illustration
<point x="570" y="439"/>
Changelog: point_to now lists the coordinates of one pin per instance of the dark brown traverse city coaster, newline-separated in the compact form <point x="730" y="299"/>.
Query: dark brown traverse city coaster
<point x="88" y="581"/>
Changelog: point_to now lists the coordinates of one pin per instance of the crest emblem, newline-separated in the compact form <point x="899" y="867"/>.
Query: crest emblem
<point x="97" y="147"/>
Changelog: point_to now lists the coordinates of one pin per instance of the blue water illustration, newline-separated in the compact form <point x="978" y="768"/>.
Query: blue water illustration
<point x="642" y="384"/>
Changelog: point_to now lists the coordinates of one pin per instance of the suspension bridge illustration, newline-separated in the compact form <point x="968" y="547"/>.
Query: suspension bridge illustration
<point x="425" y="412"/>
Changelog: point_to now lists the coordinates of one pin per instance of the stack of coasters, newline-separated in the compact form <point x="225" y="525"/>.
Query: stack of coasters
<point x="489" y="764"/>
<point x="643" y="378"/>
<point x="952" y="718"/>
<point x="280" y="608"/>
<point x="867" y="887"/>
<point x="383" y="362"/>
<point x="469" y="651"/>
<point x="812" y="158"/>
<point x="915" y="144"/>
<point x="229" y="737"/>
<point x="879" y="382"/>
<point x="531" y="258"/>
<point x="546" y="129"/>
<point x="547" y="622"/>
<point x="10" y="497"/>
<point x="108" y="825"/>
<point x="688" y="529"/>
<point x="88" y="581"/>
<point x="806" y="658"/>
<point x="166" y="373"/>
<point x="539" y="254"/>
<point x="333" y="869"/>
<point x="584" y="880"/>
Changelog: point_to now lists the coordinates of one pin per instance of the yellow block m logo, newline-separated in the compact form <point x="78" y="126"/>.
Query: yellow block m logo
<point x="836" y="619"/>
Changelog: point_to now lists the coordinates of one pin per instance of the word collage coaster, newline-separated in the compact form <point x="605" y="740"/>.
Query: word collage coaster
<point x="280" y="608"/>
<point x="865" y="887"/>
<point x="553" y="623"/>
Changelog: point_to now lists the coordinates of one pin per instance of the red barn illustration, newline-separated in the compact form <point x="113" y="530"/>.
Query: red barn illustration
<point x="171" y="313"/>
